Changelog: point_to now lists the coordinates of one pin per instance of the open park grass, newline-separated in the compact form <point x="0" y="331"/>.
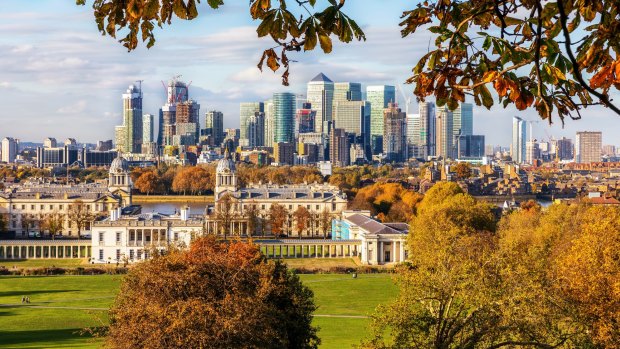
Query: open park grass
<point x="63" y="305"/>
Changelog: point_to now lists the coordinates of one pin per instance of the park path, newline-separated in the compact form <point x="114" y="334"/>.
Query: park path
<point x="105" y="309"/>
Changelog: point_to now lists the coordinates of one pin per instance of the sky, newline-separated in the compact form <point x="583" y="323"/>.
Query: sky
<point x="59" y="77"/>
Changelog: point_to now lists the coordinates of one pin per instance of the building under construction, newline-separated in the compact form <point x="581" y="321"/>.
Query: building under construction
<point x="179" y="118"/>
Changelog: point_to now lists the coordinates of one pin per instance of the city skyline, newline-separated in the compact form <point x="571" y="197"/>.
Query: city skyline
<point x="93" y="71"/>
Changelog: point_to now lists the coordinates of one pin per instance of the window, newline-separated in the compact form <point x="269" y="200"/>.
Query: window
<point x="131" y="255"/>
<point x="51" y="207"/>
<point x="14" y="206"/>
<point x="176" y="236"/>
<point x="118" y="237"/>
<point x="101" y="235"/>
<point x="139" y="254"/>
<point x="100" y="254"/>
<point x="263" y="207"/>
<point x="23" y="207"/>
<point x="118" y="254"/>
<point x="43" y="207"/>
<point x="60" y="207"/>
<point x="317" y="207"/>
<point x="308" y="206"/>
<point x="32" y="207"/>
<point x="290" y="207"/>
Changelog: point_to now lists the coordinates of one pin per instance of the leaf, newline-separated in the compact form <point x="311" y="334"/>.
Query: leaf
<point x="272" y="60"/>
<point x="326" y="42"/>
<point x="487" y="99"/>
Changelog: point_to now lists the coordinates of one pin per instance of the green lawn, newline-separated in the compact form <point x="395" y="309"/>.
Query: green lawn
<point x="67" y="300"/>
<point x="37" y="263"/>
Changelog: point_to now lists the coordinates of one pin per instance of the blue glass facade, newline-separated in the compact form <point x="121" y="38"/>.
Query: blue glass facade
<point x="284" y="117"/>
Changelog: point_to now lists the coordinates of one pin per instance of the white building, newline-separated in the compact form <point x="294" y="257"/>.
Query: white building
<point x="9" y="150"/>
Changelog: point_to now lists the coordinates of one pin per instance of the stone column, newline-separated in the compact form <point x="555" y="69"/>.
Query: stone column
<point x="79" y="252"/>
<point x="393" y="254"/>
<point x="402" y="251"/>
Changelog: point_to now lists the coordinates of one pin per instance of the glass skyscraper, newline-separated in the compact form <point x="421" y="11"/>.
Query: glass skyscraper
<point x="519" y="140"/>
<point x="463" y="118"/>
<point x="247" y="111"/>
<point x="321" y="96"/>
<point x="379" y="97"/>
<point x="284" y="117"/>
<point x="426" y="129"/>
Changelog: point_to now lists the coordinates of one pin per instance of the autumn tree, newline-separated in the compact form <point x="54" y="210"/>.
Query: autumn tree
<point x="148" y="182"/>
<point x="252" y="218"/>
<point x="53" y="223"/>
<point x="80" y="216"/>
<point x="214" y="295"/>
<point x="463" y="170"/>
<point x="325" y="222"/>
<point x="225" y="214"/>
<point x="302" y="218"/>
<point x="278" y="215"/>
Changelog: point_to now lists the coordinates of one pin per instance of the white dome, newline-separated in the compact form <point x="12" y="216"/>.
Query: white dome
<point x="224" y="164"/>
<point x="119" y="165"/>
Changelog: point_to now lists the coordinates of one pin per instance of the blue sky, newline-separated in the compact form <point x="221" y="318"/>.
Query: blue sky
<point x="59" y="77"/>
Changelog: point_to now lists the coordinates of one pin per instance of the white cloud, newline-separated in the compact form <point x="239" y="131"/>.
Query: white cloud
<point x="75" y="108"/>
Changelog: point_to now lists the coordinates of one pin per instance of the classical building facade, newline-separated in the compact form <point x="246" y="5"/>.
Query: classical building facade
<point x="27" y="206"/>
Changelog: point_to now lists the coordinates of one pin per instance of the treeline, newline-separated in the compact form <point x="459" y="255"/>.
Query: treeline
<point x="389" y="202"/>
<point x="200" y="180"/>
<point x="536" y="279"/>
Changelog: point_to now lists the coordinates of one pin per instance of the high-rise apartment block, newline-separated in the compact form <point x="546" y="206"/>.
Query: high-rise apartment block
<point x="339" y="147"/>
<point x="50" y="142"/>
<point x="320" y="94"/>
<point x="269" y="123"/>
<point x="519" y="140"/>
<point x="394" y="134"/>
<point x="9" y="149"/>
<point x="379" y="97"/>
<point x="588" y="146"/>
<point x="444" y="133"/>
<point x="284" y="117"/>
<point x="148" y="128"/>
<point x="304" y="119"/>
<point x="214" y="127"/>
<point x="129" y="136"/>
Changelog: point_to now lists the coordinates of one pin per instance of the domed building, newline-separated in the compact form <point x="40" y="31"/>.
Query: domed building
<point x="119" y="181"/>
<point x="317" y="198"/>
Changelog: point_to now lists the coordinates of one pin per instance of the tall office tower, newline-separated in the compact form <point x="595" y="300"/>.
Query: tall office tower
<point x="463" y="117"/>
<point x="427" y="128"/>
<point x="304" y="119"/>
<point x="394" y="134"/>
<point x="50" y="142"/>
<point x="413" y="136"/>
<point x="132" y="120"/>
<point x="444" y="136"/>
<point x="246" y="111"/>
<point x="255" y="130"/>
<point x="379" y="97"/>
<point x="284" y="117"/>
<point x="347" y="91"/>
<point x="532" y="152"/>
<point x="321" y="95"/>
<point x="9" y="149"/>
<point x="214" y="127"/>
<point x="269" y="113"/>
<point x="519" y="140"/>
<point x="339" y="151"/>
<point x="471" y="147"/>
<point x="71" y="142"/>
<point x="148" y="128"/>
<point x="354" y="118"/>
<point x="588" y="147"/>
<point x="187" y="127"/>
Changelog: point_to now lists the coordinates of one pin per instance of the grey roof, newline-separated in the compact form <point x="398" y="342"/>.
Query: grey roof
<point x="321" y="78"/>
<point x="375" y="228"/>
<point x="287" y="193"/>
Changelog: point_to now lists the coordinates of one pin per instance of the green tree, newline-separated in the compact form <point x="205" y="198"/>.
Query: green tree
<point x="215" y="295"/>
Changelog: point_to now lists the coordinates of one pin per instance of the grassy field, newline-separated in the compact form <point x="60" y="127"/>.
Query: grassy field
<point x="63" y="305"/>
<point x="39" y="263"/>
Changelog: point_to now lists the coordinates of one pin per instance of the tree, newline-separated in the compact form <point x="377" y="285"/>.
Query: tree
<point x="251" y="215"/>
<point x="278" y="215"/>
<point x="80" y="216"/>
<point x="325" y="222"/>
<point x="216" y="295"/>
<point x="53" y="223"/>
<point x="534" y="53"/>
<point x="463" y="170"/>
<point x="148" y="182"/>
<point x="302" y="218"/>
<point x="3" y="223"/>
<point x="225" y="214"/>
